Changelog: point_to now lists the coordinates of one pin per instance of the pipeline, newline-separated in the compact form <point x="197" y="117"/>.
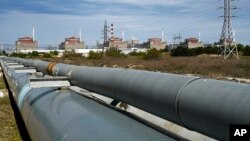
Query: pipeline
<point x="203" y="105"/>
<point x="53" y="113"/>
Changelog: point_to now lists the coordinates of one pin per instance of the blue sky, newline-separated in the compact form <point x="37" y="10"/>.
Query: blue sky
<point x="56" y="19"/>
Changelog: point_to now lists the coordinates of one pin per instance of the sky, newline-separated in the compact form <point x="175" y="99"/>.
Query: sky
<point x="54" y="20"/>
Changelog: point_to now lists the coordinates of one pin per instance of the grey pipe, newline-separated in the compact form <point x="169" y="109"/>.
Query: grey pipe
<point x="203" y="105"/>
<point x="51" y="114"/>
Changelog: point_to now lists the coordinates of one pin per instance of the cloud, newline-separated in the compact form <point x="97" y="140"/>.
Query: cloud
<point x="143" y="2"/>
<point x="55" y="20"/>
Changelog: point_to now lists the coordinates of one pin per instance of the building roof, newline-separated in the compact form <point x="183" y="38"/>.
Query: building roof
<point x="155" y="40"/>
<point x="192" y="40"/>
<point x="25" y="39"/>
<point x="72" y="40"/>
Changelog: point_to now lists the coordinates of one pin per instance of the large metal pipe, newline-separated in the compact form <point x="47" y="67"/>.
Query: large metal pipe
<point x="203" y="105"/>
<point x="52" y="114"/>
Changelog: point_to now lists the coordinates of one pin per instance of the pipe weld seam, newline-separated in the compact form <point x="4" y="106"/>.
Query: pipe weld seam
<point x="22" y="94"/>
<point x="41" y="95"/>
<point x="177" y="99"/>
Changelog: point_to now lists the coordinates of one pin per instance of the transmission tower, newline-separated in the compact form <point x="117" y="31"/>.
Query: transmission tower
<point x="105" y="34"/>
<point x="227" y="41"/>
<point x="177" y="38"/>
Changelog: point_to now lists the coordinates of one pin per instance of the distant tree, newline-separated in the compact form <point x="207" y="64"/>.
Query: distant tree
<point x="182" y="51"/>
<point x="35" y="53"/>
<point x="179" y="51"/>
<point x="166" y="49"/>
<point x="196" y="51"/>
<point x="47" y="55"/>
<point x="72" y="54"/>
<point x="21" y="55"/>
<point x="95" y="55"/>
<point x="53" y="52"/>
<point x="114" y="52"/>
<point x="240" y="47"/>
<point x="134" y="53"/>
<point x="212" y="50"/>
<point x="152" y="54"/>
<point x="246" y="50"/>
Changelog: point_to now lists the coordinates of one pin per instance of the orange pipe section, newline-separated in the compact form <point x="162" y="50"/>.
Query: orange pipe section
<point x="50" y="68"/>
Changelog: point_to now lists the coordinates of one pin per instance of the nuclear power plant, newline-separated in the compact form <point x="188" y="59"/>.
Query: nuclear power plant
<point x="111" y="39"/>
<point x="27" y="43"/>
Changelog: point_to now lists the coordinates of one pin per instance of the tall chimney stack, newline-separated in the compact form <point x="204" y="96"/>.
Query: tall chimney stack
<point x="80" y="34"/>
<point x="112" y="32"/>
<point x="33" y="34"/>
<point x="162" y="35"/>
<point x="199" y="38"/>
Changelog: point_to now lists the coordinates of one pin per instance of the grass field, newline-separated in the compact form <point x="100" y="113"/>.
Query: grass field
<point x="210" y="67"/>
<point x="8" y="127"/>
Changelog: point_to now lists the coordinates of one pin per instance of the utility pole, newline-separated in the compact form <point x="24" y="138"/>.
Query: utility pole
<point x="227" y="40"/>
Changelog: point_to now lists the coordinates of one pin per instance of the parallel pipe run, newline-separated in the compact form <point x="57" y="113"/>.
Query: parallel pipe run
<point x="51" y="114"/>
<point x="203" y="105"/>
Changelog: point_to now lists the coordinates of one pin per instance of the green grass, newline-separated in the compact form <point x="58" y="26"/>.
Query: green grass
<point x="2" y="84"/>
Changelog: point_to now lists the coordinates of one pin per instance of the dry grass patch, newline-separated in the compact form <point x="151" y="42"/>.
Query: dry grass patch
<point x="211" y="67"/>
<point x="8" y="126"/>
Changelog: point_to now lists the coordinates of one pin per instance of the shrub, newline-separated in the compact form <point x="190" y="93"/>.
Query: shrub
<point x="196" y="51"/>
<point x="240" y="47"/>
<point x="95" y="55"/>
<point x="212" y="50"/>
<point x="32" y="54"/>
<point x="47" y="55"/>
<point x="246" y="51"/>
<point x="114" y="52"/>
<point x="21" y="55"/>
<point x="134" y="53"/>
<point x="4" y="52"/>
<point x="35" y="53"/>
<point x="54" y="52"/>
<point x="71" y="54"/>
<point x="152" y="54"/>
<point x="179" y="51"/>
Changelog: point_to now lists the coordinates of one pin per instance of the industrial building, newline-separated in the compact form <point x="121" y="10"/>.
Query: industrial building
<point x="26" y="43"/>
<point x="192" y="43"/>
<point x="134" y="43"/>
<point x="71" y="43"/>
<point x="116" y="42"/>
<point x="156" y="43"/>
